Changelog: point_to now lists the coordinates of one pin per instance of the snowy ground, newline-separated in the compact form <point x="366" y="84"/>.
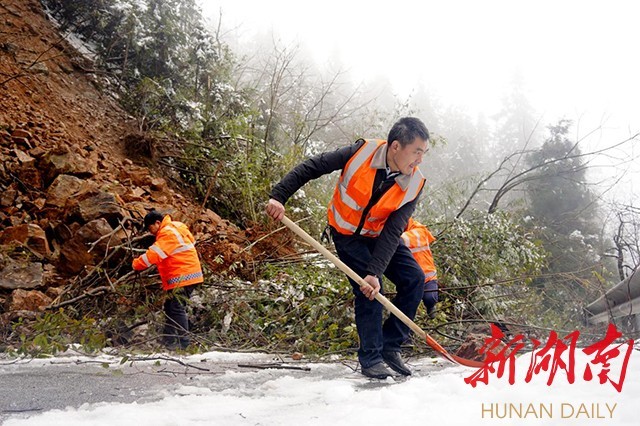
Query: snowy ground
<point x="332" y="394"/>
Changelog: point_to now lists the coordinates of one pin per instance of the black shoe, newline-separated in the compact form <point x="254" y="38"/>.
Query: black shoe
<point x="169" y="343"/>
<point x="377" y="371"/>
<point x="171" y="347"/>
<point x="394" y="361"/>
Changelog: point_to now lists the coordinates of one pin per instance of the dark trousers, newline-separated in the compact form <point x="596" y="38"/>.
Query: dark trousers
<point x="430" y="297"/>
<point x="405" y="273"/>
<point x="176" y="327"/>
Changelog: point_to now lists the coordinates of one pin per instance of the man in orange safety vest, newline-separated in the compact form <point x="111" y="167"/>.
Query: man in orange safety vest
<point x="375" y="196"/>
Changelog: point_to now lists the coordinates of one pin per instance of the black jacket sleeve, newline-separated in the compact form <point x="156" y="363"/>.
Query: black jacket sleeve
<point x="390" y="238"/>
<point x="313" y="168"/>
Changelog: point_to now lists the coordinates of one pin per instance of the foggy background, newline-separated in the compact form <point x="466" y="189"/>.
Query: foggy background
<point x="466" y="63"/>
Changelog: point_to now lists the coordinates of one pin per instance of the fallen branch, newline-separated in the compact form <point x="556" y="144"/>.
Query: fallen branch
<point x="277" y="365"/>
<point x="110" y="234"/>
<point x="167" y="358"/>
<point x="93" y="292"/>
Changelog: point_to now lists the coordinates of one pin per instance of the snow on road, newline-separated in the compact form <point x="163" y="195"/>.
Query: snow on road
<point x="334" y="394"/>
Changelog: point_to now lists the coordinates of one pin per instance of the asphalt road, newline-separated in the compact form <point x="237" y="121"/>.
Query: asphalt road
<point x="30" y="387"/>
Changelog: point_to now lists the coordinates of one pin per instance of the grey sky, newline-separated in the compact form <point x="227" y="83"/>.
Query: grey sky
<point x="576" y="57"/>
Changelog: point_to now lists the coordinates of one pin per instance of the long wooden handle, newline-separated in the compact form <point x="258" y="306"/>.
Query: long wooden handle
<point x="352" y="274"/>
<point x="379" y="297"/>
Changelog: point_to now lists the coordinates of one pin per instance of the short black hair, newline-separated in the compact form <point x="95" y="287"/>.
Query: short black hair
<point x="406" y="130"/>
<point x="152" y="217"/>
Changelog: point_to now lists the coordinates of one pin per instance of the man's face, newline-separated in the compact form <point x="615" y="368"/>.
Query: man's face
<point x="404" y="159"/>
<point x="153" y="228"/>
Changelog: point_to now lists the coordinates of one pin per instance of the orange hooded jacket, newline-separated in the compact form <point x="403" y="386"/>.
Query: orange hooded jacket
<point x="418" y="239"/>
<point x="174" y="254"/>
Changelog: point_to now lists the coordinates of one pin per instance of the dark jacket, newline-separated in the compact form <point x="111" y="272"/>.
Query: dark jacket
<point x="328" y="162"/>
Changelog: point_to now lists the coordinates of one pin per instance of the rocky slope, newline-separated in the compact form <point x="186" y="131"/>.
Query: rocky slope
<point x="68" y="191"/>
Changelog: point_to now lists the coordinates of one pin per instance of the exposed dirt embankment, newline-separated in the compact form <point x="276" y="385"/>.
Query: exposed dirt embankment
<point x="68" y="191"/>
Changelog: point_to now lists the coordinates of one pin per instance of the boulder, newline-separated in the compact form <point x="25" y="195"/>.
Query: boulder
<point x="30" y="235"/>
<point x="23" y="300"/>
<point x="51" y="277"/>
<point x="24" y="158"/>
<point x="135" y="175"/>
<point x="40" y="202"/>
<point x="25" y="169"/>
<point x="64" y="232"/>
<point x="22" y="143"/>
<point x="62" y="189"/>
<point x="60" y="162"/>
<point x="8" y="197"/>
<point x="93" y="231"/>
<point x="15" y="274"/>
<point x="54" y="292"/>
<point x="37" y="152"/>
<point x="159" y="184"/>
<point x="133" y="193"/>
<point x="101" y="204"/>
<point x="21" y="133"/>
<point x="211" y="216"/>
<point x="75" y="254"/>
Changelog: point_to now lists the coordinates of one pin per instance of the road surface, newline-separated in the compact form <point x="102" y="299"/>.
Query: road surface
<point x="29" y="387"/>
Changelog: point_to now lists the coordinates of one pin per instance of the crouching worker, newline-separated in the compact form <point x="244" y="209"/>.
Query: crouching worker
<point x="418" y="239"/>
<point x="177" y="260"/>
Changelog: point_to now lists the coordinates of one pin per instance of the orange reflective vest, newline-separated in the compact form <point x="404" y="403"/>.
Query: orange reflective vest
<point x="418" y="239"/>
<point x="174" y="254"/>
<point x="355" y="187"/>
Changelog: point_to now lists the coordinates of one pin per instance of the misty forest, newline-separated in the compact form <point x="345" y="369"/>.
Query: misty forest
<point x="531" y="217"/>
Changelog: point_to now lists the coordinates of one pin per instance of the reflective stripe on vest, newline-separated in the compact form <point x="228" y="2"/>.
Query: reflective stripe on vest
<point x="183" y="248"/>
<point x="346" y="198"/>
<point x="159" y="251"/>
<point x="176" y="233"/>
<point x="412" y="240"/>
<point x="346" y="225"/>
<point x="415" y="185"/>
<point x="183" y="245"/>
<point x="364" y="153"/>
<point x="181" y="278"/>
<point x="419" y="249"/>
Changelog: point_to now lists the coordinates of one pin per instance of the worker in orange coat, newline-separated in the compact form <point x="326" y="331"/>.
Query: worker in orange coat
<point x="418" y="239"/>
<point x="177" y="260"/>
